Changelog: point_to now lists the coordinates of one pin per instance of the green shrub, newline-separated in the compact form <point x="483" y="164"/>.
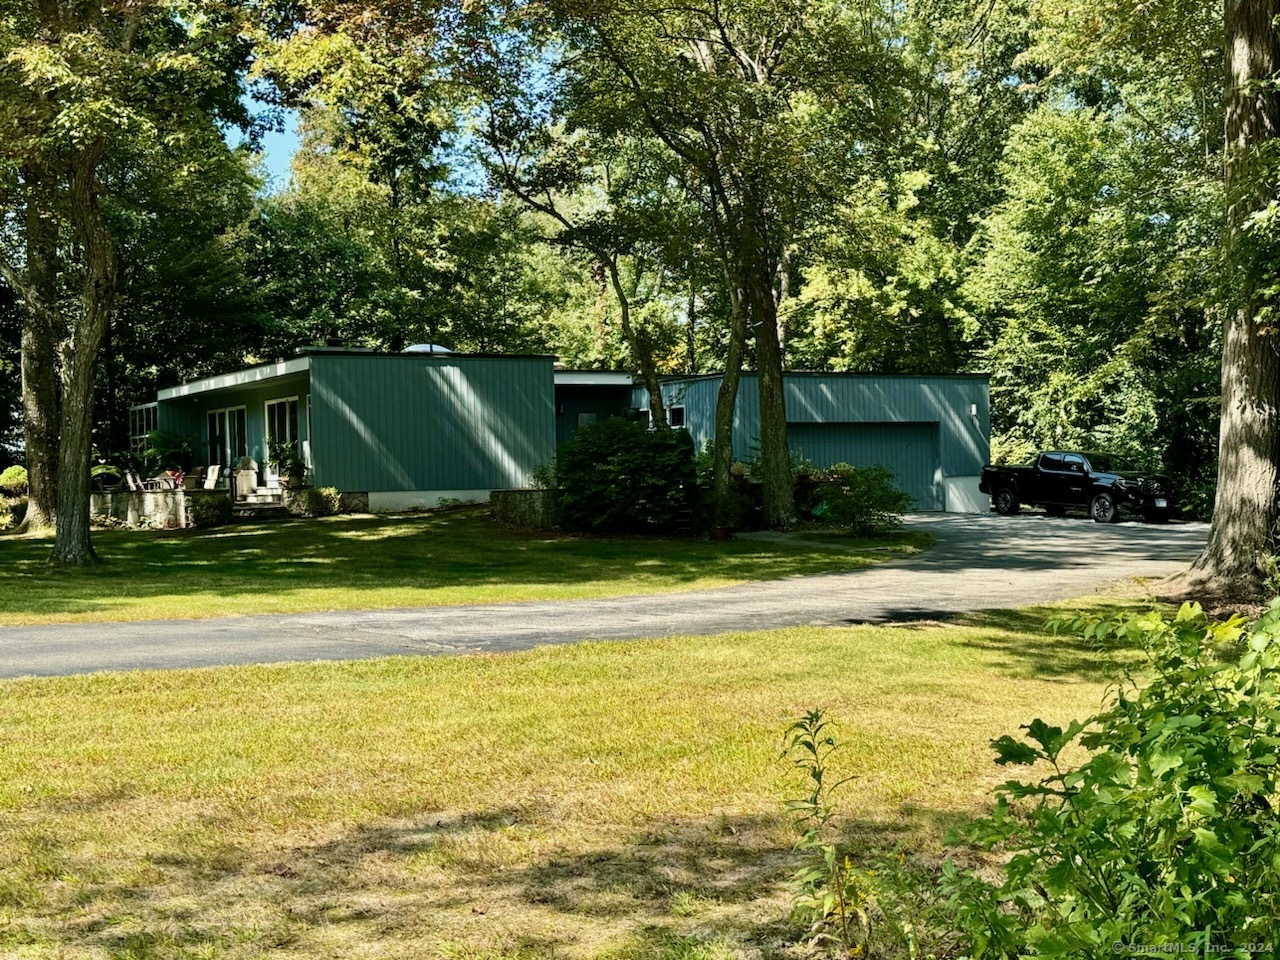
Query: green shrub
<point x="13" y="480"/>
<point x="13" y="510"/>
<point x="861" y="500"/>
<point x="617" y="476"/>
<point x="212" y="510"/>
<point x="318" y="501"/>
<point x="1165" y="837"/>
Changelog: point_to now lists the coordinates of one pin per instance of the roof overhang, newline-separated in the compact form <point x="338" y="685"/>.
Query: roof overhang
<point x="593" y="378"/>
<point x="239" y="378"/>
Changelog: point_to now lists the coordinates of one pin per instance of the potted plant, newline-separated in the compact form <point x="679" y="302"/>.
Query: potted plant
<point x="288" y="463"/>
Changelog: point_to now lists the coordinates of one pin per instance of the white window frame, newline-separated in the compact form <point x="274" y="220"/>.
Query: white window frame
<point x="148" y="416"/>
<point x="684" y="416"/>
<point x="226" y="448"/>
<point x="272" y="477"/>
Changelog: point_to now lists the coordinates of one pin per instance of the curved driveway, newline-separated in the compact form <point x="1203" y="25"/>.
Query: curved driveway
<point x="979" y="563"/>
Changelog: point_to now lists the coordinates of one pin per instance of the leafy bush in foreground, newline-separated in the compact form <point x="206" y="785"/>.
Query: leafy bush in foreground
<point x="617" y="476"/>
<point x="1166" y="836"/>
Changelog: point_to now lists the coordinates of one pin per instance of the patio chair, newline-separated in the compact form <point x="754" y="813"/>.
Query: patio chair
<point x="211" y="478"/>
<point x="132" y="482"/>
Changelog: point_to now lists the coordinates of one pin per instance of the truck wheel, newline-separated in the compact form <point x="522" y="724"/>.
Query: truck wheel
<point x="1005" y="501"/>
<point x="1103" y="509"/>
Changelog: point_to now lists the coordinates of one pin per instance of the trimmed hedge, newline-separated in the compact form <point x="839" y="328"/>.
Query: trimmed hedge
<point x="318" y="501"/>
<point x="209" y="511"/>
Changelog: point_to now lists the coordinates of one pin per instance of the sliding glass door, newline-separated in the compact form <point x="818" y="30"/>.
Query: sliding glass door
<point x="227" y="436"/>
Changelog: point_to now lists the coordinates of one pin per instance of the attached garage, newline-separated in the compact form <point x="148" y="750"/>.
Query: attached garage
<point x="931" y="431"/>
<point x="909" y="450"/>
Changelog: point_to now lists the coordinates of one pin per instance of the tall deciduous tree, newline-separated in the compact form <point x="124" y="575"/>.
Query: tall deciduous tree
<point x="753" y="100"/>
<point x="1245" y="512"/>
<point x="85" y="87"/>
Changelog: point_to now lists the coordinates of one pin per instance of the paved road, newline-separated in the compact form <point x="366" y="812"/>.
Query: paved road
<point x="980" y="562"/>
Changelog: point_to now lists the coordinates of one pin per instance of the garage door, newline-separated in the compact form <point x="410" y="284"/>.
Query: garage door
<point x="910" y="450"/>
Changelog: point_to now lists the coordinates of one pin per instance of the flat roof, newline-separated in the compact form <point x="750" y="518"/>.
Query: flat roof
<point x="684" y="377"/>
<point x="594" y="378"/>
<point x="301" y="363"/>
<point x="237" y="378"/>
<point x="415" y="355"/>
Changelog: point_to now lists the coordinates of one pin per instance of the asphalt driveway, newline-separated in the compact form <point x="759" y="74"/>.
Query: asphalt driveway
<point x="979" y="563"/>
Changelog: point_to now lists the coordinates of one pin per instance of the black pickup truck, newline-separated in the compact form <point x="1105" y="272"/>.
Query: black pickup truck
<point x="1105" y="484"/>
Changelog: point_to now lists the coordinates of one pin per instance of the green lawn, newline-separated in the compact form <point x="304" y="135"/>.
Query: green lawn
<point x="348" y="563"/>
<point x="616" y="799"/>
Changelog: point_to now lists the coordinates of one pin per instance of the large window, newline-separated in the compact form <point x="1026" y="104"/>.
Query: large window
<point x="142" y="420"/>
<point x="227" y="443"/>
<point x="282" y="421"/>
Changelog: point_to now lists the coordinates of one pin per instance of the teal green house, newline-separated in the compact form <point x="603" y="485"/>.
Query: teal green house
<point x="932" y="432"/>
<point x="409" y="429"/>
<point x="417" y="428"/>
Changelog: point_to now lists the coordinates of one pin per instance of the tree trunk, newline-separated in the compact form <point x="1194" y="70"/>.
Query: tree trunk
<point x="1244" y="515"/>
<point x="639" y="349"/>
<point x="72" y="546"/>
<point x="775" y="455"/>
<point x="691" y="328"/>
<point x="726" y="404"/>
<point x="39" y="358"/>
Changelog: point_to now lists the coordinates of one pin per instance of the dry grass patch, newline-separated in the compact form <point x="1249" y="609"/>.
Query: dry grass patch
<point x="614" y="800"/>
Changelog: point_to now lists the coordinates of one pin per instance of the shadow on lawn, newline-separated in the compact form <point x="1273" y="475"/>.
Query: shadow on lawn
<point x="462" y="549"/>
<point x="1024" y="645"/>
<point x="1020" y="639"/>
<point x="454" y="880"/>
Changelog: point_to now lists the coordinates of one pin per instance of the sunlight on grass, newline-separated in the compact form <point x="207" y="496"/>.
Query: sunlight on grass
<point x="348" y="563"/>
<point x="617" y="799"/>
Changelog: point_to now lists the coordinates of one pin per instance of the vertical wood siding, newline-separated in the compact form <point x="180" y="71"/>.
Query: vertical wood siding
<point x="431" y="422"/>
<point x="928" y="427"/>
<point x="908" y="450"/>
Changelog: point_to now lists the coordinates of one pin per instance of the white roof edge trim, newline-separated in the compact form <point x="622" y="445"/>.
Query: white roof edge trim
<point x="589" y="379"/>
<point x="239" y="378"/>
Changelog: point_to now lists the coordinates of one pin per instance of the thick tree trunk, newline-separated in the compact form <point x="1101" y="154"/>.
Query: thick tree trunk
<point x="726" y="404"/>
<point x="775" y="454"/>
<point x="72" y="546"/>
<point x="39" y="358"/>
<point x="1244" y="515"/>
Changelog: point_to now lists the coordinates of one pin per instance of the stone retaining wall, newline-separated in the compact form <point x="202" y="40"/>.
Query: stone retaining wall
<point x="155" y="508"/>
